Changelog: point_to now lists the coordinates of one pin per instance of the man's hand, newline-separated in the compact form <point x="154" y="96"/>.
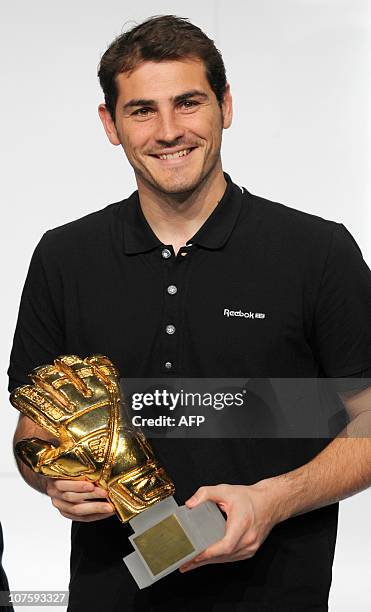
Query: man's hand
<point x="78" y="500"/>
<point x="251" y="514"/>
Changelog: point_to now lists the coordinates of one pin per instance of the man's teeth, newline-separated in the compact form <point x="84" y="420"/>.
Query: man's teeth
<point x="174" y="155"/>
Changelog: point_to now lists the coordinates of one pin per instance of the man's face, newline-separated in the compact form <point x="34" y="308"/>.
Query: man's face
<point x="169" y="108"/>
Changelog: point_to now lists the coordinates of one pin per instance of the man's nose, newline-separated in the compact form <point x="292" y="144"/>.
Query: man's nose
<point x="169" y="128"/>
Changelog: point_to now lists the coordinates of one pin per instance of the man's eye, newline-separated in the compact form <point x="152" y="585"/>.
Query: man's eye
<point x="142" y="112"/>
<point x="189" y="103"/>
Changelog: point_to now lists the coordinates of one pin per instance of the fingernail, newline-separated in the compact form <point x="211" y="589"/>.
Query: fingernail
<point x="99" y="492"/>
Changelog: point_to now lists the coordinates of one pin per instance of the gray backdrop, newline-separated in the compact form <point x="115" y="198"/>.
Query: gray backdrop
<point x="300" y="76"/>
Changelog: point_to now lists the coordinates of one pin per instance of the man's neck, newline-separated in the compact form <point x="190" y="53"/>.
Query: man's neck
<point x="176" y="218"/>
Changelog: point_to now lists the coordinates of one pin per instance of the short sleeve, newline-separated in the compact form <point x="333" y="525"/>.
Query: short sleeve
<point x="38" y="336"/>
<point x="342" y="319"/>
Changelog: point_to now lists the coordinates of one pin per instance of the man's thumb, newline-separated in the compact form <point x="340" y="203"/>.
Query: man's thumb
<point x="197" y="498"/>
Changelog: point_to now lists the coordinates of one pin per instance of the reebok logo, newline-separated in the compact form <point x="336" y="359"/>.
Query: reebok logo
<point x="247" y="315"/>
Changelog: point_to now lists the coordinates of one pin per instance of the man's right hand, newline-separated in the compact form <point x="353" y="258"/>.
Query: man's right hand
<point x="79" y="500"/>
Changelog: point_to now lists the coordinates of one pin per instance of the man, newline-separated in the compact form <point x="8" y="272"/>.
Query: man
<point x="149" y="282"/>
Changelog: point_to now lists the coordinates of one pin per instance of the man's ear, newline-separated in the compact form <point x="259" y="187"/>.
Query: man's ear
<point x="227" y="107"/>
<point x="108" y="124"/>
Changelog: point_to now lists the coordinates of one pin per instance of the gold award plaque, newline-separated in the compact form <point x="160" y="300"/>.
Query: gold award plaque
<point x="164" y="544"/>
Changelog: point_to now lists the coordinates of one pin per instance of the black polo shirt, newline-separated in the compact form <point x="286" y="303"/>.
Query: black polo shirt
<point x="106" y="284"/>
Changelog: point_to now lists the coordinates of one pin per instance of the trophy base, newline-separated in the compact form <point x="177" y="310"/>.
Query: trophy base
<point x="167" y="535"/>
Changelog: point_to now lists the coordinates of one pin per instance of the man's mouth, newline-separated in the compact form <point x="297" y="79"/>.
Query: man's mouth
<point x="176" y="155"/>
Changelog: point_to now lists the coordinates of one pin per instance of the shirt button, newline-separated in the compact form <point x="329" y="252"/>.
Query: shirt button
<point x="172" y="289"/>
<point x="170" y="329"/>
<point x="168" y="365"/>
<point x="166" y="253"/>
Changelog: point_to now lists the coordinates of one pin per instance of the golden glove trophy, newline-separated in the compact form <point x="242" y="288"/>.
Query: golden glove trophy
<point x="80" y="402"/>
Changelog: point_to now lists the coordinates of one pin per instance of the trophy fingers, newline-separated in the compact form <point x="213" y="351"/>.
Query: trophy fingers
<point x="38" y="406"/>
<point x="74" y="370"/>
<point x="34" y="452"/>
<point x="103" y="362"/>
<point x="73" y="463"/>
<point x="80" y="381"/>
<point x="47" y="380"/>
<point x="137" y="490"/>
<point x="105" y="371"/>
<point x="48" y="460"/>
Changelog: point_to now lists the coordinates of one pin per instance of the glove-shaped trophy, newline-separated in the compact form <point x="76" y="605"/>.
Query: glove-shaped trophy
<point x="80" y="402"/>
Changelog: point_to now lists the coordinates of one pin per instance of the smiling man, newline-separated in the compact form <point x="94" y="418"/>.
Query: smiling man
<point x="151" y="281"/>
<point x="172" y="140"/>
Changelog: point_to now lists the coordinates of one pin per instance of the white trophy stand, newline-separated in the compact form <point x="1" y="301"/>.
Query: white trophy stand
<point x="167" y="535"/>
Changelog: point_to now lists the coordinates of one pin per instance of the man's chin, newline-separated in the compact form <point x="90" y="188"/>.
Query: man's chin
<point x="183" y="188"/>
<point x="175" y="185"/>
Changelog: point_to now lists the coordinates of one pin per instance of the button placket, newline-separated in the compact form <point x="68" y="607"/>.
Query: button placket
<point x="173" y="272"/>
<point x="169" y="322"/>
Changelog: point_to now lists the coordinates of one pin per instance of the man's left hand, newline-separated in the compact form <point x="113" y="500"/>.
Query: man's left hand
<point x="252" y="511"/>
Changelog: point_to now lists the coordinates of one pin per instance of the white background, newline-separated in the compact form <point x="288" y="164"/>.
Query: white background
<point x="300" y="76"/>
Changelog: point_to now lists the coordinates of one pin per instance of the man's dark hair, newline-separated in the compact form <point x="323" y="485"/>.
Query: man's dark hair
<point x="163" y="37"/>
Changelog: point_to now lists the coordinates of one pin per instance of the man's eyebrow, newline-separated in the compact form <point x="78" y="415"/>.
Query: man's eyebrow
<point x="193" y="93"/>
<point x="183" y="96"/>
<point x="138" y="102"/>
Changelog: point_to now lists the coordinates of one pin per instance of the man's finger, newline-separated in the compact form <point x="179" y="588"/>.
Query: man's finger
<point x="228" y="545"/>
<point x="83" y="509"/>
<point x="78" y="498"/>
<point x="214" y="493"/>
<point x="238" y="556"/>
<point x="78" y="486"/>
<point x="86" y="519"/>
<point x="224" y="547"/>
<point x="193" y="564"/>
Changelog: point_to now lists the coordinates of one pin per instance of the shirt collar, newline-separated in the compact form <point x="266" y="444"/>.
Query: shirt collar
<point x="213" y="234"/>
<point x="138" y="234"/>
